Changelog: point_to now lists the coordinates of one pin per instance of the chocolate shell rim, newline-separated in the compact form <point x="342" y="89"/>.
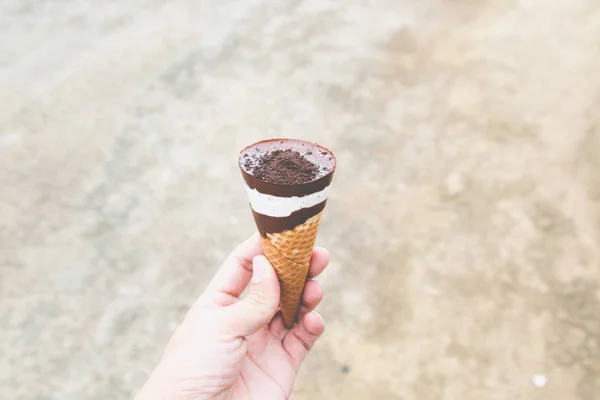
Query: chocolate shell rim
<point x="288" y="190"/>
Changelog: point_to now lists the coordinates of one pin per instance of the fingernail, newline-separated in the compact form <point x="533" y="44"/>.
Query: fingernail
<point x="320" y="317"/>
<point x="259" y="270"/>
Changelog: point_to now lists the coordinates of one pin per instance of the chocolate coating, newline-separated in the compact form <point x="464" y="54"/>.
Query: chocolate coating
<point x="267" y="224"/>
<point x="315" y="153"/>
<point x="320" y="155"/>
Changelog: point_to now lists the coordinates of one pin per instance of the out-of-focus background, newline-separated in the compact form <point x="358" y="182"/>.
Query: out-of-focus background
<point x="464" y="223"/>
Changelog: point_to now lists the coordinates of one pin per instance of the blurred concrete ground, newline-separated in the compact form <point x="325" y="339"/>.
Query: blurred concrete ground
<point x="465" y="219"/>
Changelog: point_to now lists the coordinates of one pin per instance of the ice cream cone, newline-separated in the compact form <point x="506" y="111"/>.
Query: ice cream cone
<point x="289" y="252"/>
<point x="288" y="216"/>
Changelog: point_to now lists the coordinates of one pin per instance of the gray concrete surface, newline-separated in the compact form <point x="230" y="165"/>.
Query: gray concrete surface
<point x="464" y="223"/>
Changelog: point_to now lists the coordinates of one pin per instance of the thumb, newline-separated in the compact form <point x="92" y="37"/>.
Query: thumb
<point x="260" y="304"/>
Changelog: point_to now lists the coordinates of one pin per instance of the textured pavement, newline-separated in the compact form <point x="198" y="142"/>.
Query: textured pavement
<point x="464" y="222"/>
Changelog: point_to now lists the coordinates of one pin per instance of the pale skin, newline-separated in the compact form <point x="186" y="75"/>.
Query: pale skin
<point x="237" y="348"/>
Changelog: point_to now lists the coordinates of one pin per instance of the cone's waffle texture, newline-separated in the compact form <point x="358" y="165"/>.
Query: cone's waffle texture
<point x="289" y="252"/>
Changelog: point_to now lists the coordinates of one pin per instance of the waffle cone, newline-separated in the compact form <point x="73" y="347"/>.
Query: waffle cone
<point x="289" y="252"/>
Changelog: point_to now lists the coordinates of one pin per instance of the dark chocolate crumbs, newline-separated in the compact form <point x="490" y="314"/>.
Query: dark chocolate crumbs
<point x="284" y="167"/>
<point x="248" y="164"/>
<point x="308" y="153"/>
<point x="324" y="153"/>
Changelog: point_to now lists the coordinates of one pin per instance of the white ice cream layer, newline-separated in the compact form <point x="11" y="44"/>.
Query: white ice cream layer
<point x="274" y="206"/>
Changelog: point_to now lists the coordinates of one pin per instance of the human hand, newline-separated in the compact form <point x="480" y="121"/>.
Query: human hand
<point x="232" y="348"/>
